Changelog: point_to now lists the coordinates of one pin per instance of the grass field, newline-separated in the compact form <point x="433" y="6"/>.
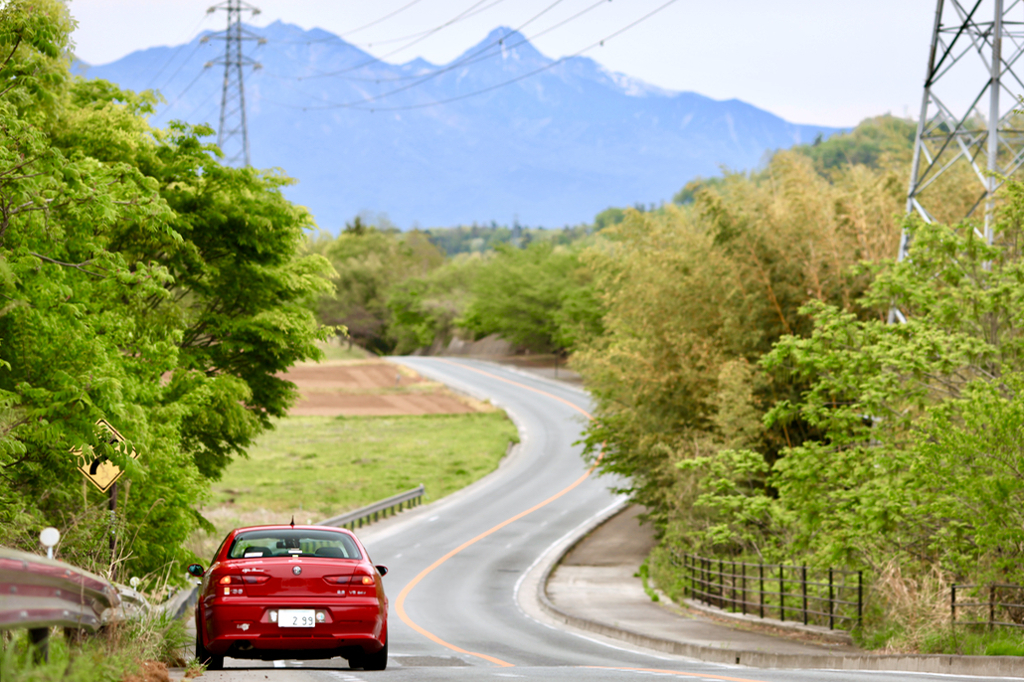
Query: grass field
<point x="317" y="467"/>
<point x="339" y="350"/>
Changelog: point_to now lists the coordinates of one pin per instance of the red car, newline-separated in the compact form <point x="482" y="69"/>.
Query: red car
<point x="277" y="592"/>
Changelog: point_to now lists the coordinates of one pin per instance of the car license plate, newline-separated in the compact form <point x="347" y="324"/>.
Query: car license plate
<point x="296" y="618"/>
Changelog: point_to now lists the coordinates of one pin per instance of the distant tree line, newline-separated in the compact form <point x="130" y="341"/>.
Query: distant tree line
<point x="481" y="238"/>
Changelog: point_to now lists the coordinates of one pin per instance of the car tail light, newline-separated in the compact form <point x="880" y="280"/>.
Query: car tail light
<point x="232" y="584"/>
<point x="349" y="579"/>
<point x="244" y="579"/>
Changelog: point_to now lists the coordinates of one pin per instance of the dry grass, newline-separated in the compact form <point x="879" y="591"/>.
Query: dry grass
<point x="913" y="608"/>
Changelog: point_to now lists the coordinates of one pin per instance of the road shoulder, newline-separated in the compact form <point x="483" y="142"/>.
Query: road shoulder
<point x="608" y="603"/>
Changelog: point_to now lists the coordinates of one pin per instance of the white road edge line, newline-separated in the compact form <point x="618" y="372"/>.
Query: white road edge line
<point x="556" y="547"/>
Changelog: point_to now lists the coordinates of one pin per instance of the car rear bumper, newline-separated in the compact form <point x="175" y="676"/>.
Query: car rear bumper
<point x="246" y="631"/>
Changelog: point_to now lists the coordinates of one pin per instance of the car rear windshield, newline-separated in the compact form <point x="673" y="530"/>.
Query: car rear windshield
<point x="288" y="543"/>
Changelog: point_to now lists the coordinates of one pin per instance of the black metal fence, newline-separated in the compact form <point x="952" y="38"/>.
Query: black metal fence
<point x="987" y="606"/>
<point x="828" y="597"/>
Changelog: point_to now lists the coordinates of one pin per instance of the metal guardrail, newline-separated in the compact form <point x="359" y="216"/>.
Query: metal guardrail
<point x="377" y="510"/>
<point x="824" y="597"/>
<point x="182" y="602"/>
<point x="1000" y="605"/>
<point x="37" y="593"/>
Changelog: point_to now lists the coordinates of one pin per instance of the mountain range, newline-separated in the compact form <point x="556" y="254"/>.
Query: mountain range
<point x="502" y="133"/>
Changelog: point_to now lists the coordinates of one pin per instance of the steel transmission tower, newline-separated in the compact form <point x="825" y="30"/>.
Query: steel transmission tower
<point x="233" y="133"/>
<point x="975" y="43"/>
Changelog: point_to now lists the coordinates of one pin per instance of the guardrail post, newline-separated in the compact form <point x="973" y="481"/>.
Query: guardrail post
<point x="703" y="583"/>
<point x="991" y="606"/>
<point x="732" y="585"/>
<point x="40" y="638"/>
<point x="760" y="572"/>
<point x="860" y="597"/>
<point x="743" y="567"/>
<point x="698" y="571"/>
<point x="721" y="584"/>
<point x="782" y="593"/>
<point x="952" y="605"/>
<point x="707" y="582"/>
<point x="831" y="603"/>
<point x="803" y="581"/>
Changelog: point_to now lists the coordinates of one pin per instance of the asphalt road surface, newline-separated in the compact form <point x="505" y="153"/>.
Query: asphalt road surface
<point x="455" y="567"/>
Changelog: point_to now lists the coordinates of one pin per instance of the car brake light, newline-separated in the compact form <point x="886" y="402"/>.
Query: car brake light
<point x="232" y="584"/>
<point x="244" y="579"/>
<point x="349" y="579"/>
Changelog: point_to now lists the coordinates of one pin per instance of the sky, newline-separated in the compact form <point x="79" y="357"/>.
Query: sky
<point x="825" y="62"/>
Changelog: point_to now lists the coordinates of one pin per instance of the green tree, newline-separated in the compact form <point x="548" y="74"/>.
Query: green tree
<point x="535" y="297"/>
<point x="141" y="282"/>
<point x="919" y="421"/>
<point x="368" y="262"/>
<point x="695" y="295"/>
<point x="424" y="309"/>
<point x="883" y="141"/>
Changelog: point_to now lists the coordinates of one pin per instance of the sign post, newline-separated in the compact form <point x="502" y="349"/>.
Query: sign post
<point x="103" y="474"/>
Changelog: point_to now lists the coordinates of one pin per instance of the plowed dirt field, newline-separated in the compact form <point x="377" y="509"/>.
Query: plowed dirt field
<point x="370" y="388"/>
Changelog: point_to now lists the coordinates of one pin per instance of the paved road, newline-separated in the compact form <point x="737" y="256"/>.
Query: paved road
<point x="454" y="614"/>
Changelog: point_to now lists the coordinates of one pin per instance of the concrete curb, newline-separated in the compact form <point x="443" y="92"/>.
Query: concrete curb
<point x="985" y="666"/>
<point x="836" y="636"/>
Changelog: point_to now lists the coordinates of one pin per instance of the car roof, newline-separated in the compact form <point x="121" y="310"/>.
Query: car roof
<point x="287" y="526"/>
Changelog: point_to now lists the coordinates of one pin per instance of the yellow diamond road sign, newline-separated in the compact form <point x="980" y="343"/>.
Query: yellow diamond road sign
<point x="100" y="471"/>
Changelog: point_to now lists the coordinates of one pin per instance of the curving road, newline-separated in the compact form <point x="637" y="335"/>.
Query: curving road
<point x="456" y="565"/>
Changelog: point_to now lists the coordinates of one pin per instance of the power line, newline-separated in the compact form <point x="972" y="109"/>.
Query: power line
<point x="474" y="58"/>
<point x="180" y="95"/>
<point x="601" y="42"/>
<point x="426" y="35"/>
<point x="309" y="41"/>
<point x="180" y="67"/>
<point x="189" y="36"/>
<point x="470" y="59"/>
<point x="383" y="18"/>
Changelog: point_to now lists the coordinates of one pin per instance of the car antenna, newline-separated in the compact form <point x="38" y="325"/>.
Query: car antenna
<point x="293" y="520"/>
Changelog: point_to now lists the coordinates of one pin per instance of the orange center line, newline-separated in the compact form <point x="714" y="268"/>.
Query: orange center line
<point x="400" y="601"/>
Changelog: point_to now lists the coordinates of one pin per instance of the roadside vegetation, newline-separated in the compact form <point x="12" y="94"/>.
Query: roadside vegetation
<point x="143" y="283"/>
<point x="748" y="386"/>
<point x="762" y="409"/>
<point x="140" y="651"/>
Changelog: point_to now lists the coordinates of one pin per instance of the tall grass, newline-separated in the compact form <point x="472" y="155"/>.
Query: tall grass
<point x="134" y="648"/>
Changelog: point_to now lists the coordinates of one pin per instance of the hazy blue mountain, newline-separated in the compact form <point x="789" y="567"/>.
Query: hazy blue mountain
<point x="552" y="148"/>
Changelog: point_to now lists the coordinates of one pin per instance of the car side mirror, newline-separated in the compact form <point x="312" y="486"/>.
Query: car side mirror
<point x="196" y="570"/>
<point x="383" y="570"/>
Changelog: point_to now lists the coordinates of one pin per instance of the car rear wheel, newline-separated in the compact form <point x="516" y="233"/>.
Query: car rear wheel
<point x="377" y="661"/>
<point x="211" y="661"/>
